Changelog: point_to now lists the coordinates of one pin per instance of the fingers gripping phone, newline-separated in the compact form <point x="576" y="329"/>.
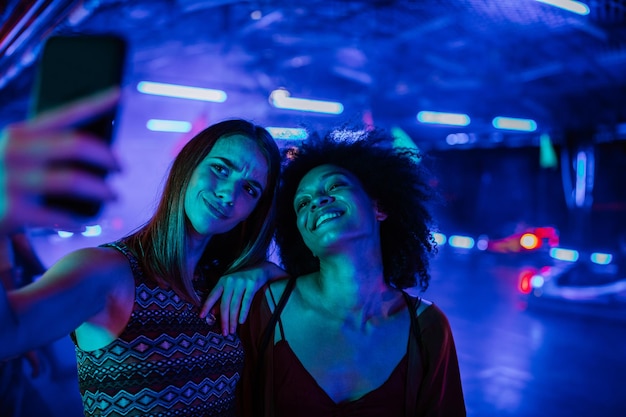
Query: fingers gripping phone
<point x="74" y="67"/>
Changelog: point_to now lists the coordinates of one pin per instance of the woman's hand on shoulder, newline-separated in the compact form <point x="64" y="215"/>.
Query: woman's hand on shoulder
<point x="235" y="293"/>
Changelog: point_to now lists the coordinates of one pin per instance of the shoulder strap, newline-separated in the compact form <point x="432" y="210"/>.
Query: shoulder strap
<point x="271" y="324"/>
<point x="415" y="367"/>
<point x="259" y="403"/>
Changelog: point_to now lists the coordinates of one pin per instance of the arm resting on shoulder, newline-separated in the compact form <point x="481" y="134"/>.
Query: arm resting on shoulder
<point x="235" y="293"/>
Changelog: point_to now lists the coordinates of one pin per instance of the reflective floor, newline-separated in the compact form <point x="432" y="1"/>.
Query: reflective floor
<point x="517" y="358"/>
<point x="525" y="356"/>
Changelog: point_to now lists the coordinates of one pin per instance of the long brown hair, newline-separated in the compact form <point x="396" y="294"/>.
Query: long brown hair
<point x="161" y="242"/>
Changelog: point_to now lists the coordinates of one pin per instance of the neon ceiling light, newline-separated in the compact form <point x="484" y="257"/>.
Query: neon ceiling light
<point x="512" y="123"/>
<point x="175" y="126"/>
<point x="181" y="91"/>
<point x="281" y="100"/>
<point x="288" y="133"/>
<point x="569" y="5"/>
<point x="438" y="118"/>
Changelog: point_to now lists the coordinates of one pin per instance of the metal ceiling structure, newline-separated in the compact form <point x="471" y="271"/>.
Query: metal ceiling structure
<point x="385" y="60"/>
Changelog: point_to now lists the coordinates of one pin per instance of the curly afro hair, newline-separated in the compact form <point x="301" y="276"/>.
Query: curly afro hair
<point x="393" y="177"/>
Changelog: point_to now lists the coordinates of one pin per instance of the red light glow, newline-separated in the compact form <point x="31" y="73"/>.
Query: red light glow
<point x="525" y="278"/>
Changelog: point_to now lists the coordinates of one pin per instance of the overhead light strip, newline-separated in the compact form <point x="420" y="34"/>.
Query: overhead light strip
<point x="439" y="118"/>
<point x="173" y="126"/>
<point x="281" y="100"/>
<point x="512" y="123"/>
<point x="569" y="5"/>
<point x="181" y="91"/>
<point x="288" y="133"/>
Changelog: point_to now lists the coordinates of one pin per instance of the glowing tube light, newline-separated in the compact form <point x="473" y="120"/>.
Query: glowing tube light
<point x="561" y="254"/>
<point x="581" y="179"/>
<point x="440" y="238"/>
<point x="175" y="126"/>
<point x="92" y="231"/>
<point x="601" y="258"/>
<point x="288" y="133"/>
<point x="569" y="5"/>
<point x="463" y="242"/>
<point x="281" y="100"/>
<point x="438" y="118"/>
<point x="181" y="91"/>
<point x="511" y="123"/>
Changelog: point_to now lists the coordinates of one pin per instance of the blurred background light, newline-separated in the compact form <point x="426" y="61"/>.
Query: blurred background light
<point x="181" y="91"/>
<point x="451" y="119"/>
<point x="440" y="238"/>
<point x="547" y="154"/>
<point x="482" y="243"/>
<point x="511" y="123"/>
<point x="175" y="126"/>
<point x="464" y="242"/>
<point x="92" y="231"/>
<point x="537" y="281"/>
<point x="561" y="254"/>
<point x="529" y="241"/>
<point x="281" y="100"/>
<point x="288" y="133"/>
<point x="601" y="258"/>
<point x="569" y="5"/>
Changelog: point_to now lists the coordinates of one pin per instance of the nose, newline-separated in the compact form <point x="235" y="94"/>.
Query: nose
<point x="225" y="192"/>
<point x="321" y="200"/>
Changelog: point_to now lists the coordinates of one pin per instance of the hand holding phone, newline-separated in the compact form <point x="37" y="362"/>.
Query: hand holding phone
<point x="37" y="158"/>
<point x="73" y="68"/>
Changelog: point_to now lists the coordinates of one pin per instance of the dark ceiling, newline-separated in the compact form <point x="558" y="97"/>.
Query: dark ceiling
<point x="384" y="60"/>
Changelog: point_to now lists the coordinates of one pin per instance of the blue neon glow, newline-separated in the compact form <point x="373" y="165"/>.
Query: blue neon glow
<point x="569" y="5"/>
<point x="176" y="126"/>
<point x="281" y="100"/>
<point x="440" y="238"/>
<point x="91" y="231"/>
<point x="181" y="91"/>
<point x="464" y="242"/>
<point x="512" y="123"/>
<point x="482" y="243"/>
<point x="581" y="179"/>
<point x="64" y="234"/>
<point x="288" y="133"/>
<point x="537" y="281"/>
<point x="438" y="118"/>
<point x="601" y="258"/>
<point x="561" y="254"/>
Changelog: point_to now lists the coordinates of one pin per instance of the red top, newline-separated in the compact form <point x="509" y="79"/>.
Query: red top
<point x="287" y="389"/>
<point x="298" y="394"/>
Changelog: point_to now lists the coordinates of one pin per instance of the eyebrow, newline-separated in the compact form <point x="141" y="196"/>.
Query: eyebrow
<point x="325" y="176"/>
<point x="230" y="164"/>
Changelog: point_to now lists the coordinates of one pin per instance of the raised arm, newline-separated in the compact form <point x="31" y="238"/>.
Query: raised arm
<point x="75" y="290"/>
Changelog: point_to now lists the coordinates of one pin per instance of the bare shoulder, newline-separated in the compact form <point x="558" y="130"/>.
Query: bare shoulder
<point x="424" y="304"/>
<point x="276" y="289"/>
<point x="105" y="265"/>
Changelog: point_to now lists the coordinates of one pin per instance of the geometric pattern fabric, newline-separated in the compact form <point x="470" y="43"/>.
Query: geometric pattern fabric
<point x="167" y="362"/>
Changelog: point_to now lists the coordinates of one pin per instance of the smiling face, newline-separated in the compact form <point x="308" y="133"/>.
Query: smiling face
<point x="226" y="186"/>
<point x="332" y="209"/>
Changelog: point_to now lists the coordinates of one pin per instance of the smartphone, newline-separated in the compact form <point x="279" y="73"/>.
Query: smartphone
<point x="72" y="67"/>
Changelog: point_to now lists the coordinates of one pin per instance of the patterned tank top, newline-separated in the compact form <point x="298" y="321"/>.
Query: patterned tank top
<point x="167" y="361"/>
